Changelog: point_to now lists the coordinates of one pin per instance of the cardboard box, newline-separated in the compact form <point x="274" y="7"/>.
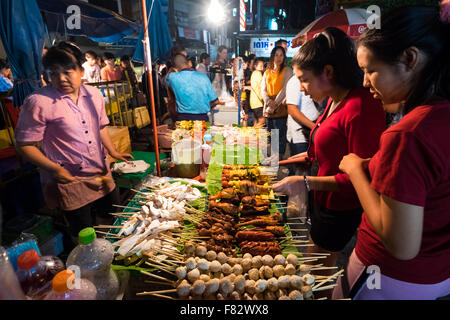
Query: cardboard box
<point x="141" y="117"/>
<point x="120" y="136"/>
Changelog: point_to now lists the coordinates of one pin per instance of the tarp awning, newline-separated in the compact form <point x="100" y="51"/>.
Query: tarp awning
<point x="99" y="24"/>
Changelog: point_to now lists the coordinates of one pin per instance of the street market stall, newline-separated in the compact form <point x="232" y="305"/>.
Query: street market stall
<point x="206" y="241"/>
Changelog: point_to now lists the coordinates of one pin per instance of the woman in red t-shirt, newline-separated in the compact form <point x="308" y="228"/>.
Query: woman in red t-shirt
<point x="404" y="237"/>
<point x="352" y="123"/>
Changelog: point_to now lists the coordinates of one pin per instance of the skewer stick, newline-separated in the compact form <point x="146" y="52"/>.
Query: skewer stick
<point x="122" y="214"/>
<point x="323" y="298"/>
<point x="106" y="227"/>
<point x="297" y="229"/>
<point x="156" y="295"/>
<point x="324" y="281"/>
<point x="323" y="268"/>
<point x="325" y="288"/>
<point x="125" y="207"/>
<point x="110" y="235"/>
<point x="158" y="291"/>
<point x="160" y="268"/>
<point x="157" y="277"/>
<point x="300" y="245"/>
<point x="157" y="282"/>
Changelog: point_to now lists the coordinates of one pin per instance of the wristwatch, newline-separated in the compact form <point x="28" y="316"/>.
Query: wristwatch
<point x="306" y="183"/>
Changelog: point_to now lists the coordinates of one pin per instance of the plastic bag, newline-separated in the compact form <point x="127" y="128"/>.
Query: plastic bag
<point x="297" y="206"/>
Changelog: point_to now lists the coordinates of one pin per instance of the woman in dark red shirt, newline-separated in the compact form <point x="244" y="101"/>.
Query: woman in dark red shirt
<point x="352" y="123"/>
<point x="404" y="237"/>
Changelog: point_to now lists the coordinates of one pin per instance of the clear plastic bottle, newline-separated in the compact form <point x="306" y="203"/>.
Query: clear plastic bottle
<point x="36" y="273"/>
<point x="94" y="257"/>
<point x="64" y="287"/>
<point x="9" y="284"/>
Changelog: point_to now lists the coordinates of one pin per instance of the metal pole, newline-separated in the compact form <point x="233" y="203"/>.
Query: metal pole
<point x="148" y="62"/>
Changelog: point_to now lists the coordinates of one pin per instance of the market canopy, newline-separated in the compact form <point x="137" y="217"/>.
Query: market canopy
<point x="22" y="34"/>
<point x="351" y="21"/>
<point x="99" y="24"/>
<point x="158" y="33"/>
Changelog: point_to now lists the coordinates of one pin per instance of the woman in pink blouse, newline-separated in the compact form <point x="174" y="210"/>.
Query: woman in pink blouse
<point x="62" y="130"/>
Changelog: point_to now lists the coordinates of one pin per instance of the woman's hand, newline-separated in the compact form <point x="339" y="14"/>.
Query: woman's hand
<point x="121" y="156"/>
<point x="290" y="185"/>
<point x="63" y="176"/>
<point x="351" y="163"/>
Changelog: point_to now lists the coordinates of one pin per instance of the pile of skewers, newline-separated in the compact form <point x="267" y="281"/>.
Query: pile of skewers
<point x="209" y="275"/>
<point x="148" y="228"/>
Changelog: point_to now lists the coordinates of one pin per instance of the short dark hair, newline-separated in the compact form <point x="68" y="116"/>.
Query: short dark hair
<point x="279" y="42"/>
<point x="93" y="54"/>
<point x="331" y="47"/>
<point x="108" y="56"/>
<point x="258" y="60"/>
<point x="179" y="61"/>
<point x="204" y="56"/>
<point x="420" y="27"/>
<point x="125" y="58"/>
<point x="4" y="64"/>
<point x="193" y="60"/>
<point x="64" y="54"/>
<point x="251" y="57"/>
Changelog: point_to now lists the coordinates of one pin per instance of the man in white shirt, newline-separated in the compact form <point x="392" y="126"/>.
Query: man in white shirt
<point x="302" y="114"/>
<point x="205" y="60"/>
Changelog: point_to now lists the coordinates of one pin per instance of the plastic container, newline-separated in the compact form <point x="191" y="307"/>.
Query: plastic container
<point x="66" y="287"/>
<point x="9" y="284"/>
<point x="94" y="257"/>
<point x="36" y="273"/>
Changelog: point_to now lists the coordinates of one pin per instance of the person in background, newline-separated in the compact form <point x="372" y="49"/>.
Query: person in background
<point x="91" y="68"/>
<point x="44" y="77"/>
<point x="256" y="99"/>
<point x="352" y="123"/>
<point x="205" y="61"/>
<point x="111" y="72"/>
<point x="6" y="84"/>
<point x="301" y="119"/>
<point x="62" y="129"/>
<point x="273" y="89"/>
<point x="220" y="81"/>
<point x="404" y="188"/>
<point x="128" y="74"/>
<point x="251" y="62"/>
<point x="192" y="62"/>
<point x="192" y="95"/>
<point x="176" y="49"/>
<point x="282" y="43"/>
<point x="244" y="87"/>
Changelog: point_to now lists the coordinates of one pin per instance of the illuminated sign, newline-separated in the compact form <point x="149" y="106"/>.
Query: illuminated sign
<point x="262" y="47"/>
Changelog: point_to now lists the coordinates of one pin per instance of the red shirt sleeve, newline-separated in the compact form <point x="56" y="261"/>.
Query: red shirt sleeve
<point x="363" y="130"/>
<point x="403" y="168"/>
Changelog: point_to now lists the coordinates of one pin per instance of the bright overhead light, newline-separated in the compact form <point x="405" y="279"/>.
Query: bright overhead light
<point x="215" y="12"/>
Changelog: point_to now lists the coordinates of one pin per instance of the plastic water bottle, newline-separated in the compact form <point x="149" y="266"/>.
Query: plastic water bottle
<point x="36" y="273"/>
<point x="9" y="284"/>
<point x="94" y="257"/>
<point x="66" y="287"/>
